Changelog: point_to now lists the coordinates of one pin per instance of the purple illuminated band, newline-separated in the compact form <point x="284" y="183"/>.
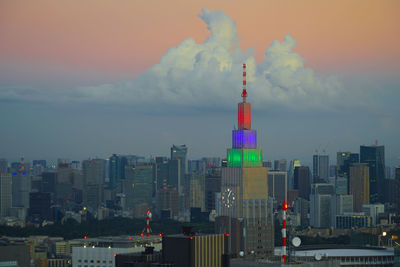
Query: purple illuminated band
<point x="244" y="139"/>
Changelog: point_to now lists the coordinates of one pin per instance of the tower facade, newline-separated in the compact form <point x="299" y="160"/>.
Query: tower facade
<point x="244" y="187"/>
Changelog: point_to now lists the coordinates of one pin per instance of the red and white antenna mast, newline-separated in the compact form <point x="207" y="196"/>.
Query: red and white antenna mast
<point x="244" y="92"/>
<point x="147" y="229"/>
<point x="284" y="254"/>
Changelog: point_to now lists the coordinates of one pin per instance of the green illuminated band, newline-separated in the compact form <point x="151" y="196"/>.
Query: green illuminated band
<point x="250" y="157"/>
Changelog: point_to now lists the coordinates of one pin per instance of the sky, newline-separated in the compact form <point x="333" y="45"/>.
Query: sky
<point x="82" y="79"/>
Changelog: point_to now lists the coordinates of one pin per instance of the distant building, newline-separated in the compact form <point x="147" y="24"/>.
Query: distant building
<point x="302" y="207"/>
<point x="293" y="164"/>
<point x="197" y="190"/>
<point x="320" y="205"/>
<point x="212" y="187"/>
<point x="373" y="210"/>
<point x="359" y="185"/>
<point x="195" y="250"/>
<point x="93" y="182"/>
<point x="280" y="165"/>
<point x="167" y="201"/>
<point x="39" y="209"/>
<point x="374" y="156"/>
<point x="3" y="166"/>
<point x="5" y="194"/>
<point x="21" y="187"/>
<point x="344" y="160"/>
<point x="340" y="204"/>
<point x="180" y="152"/>
<point x="352" y="220"/>
<point x="277" y="185"/>
<point x="320" y="168"/>
<point x="15" y="255"/>
<point x="302" y="181"/>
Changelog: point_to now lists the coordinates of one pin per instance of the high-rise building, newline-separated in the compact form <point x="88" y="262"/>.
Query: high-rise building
<point x="397" y="189"/>
<point x="293" y="164"/>
<point x="320" y="168"/>
<point x="21" y="187"/>
<point x="359" y="185"/>
<point x="197" y="190"/>
<point x="114" y="170"/>
<point x="320" y="205"/>
<point x="344" y="160"/>
<point x="93" y="182"/>
<point x="180" y="152"/>
<point x="375" y="157"/>
<point x="340" y="204"/>
<point x="139" y="188"/>
<point x="277" y="185"/>
<point x="212" y="187"/>
<point x="3" y="166"/>
<point x="5" y="194"/>
<point x="302" y="181"/>
<point x="244" y="186"/>
<point x="39" y="208"/>
<point x="280" y="165"/>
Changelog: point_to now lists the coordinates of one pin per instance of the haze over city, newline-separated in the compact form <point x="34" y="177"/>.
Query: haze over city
<point x="88" y="79"/>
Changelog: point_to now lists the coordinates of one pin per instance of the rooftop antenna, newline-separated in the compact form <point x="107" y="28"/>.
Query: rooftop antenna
<point x="244" y="92"/>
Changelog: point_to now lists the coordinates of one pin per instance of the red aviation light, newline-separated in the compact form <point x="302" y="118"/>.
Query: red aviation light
<point x="285" y="206"/>
<point x="226" y="235"/>
<point x="85" y="237"/>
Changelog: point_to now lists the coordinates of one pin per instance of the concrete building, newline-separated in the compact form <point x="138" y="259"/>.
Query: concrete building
<point x="374" y="156"/>
<point x="197" y="190"/>
<point x="293" y="164"/>
<point x="302" y="181"/>
<point x="352" y="220"/>
<point x="3" y="166"/>
<point x="320" y="205"/>
<point x="180" y="152"/>
<point x="188" y="250"/>
<point x="213" y="186"/>
<point x="340" y="204"/>
<point x="280" y="165"/>
<point x="320" y="168"/>
<point x="5" y="194"/>
<point x="93" y="176"/>
<point x="373" y="210"/>
<point x="359" y="185"/>
<point x="277" y="185"/>
<point x="244" y="187"/>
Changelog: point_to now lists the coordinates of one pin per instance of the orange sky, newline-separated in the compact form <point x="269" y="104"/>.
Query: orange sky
<point x="126" y="36"/>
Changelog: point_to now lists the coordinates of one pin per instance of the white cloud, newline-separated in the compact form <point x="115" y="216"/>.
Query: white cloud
<point x="208" y="75"/>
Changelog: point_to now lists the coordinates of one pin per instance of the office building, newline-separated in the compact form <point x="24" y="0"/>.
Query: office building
<point x="212" y="187"/>
<point x="396" y="199"/>
<point x="352" y="220"/>
<point x="5" y="194"/>
<point x="280" y="165"/>
<point x="359" y="185"/>
<point x="340" y="204"/>
<point x="320" y="168"/>
<point x="93" y="182"/>
<point x="373" y="210"/>
<point x="277" y="185"/>
<point x="320" y="205"/>
<point x="302" y="208"/>
<point x="302" y="181"/>
<point x="167" y="201"/>
<point x="39" y="209"/>
<point x="180" y="152"/>
<point x="244" y="187"/>
<point x="3" y="166"/>
<point x="197" y="191"/>
<point x="293" y="164"/>
<point x="374" y="156"/>
<point x="344" y="160"/>
<point x="21" y="187"/>
<point x="187" y="250"/>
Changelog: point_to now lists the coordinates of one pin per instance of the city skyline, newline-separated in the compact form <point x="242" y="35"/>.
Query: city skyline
<point x="63" y="99"/>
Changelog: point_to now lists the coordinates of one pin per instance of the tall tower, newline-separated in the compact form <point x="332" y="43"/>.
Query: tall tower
<point x="244" y="188"/>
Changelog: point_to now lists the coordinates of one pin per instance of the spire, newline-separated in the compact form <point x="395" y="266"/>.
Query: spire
<point x="244" y="92"/>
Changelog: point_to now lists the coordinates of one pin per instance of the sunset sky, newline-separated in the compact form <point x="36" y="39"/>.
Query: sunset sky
<point x="78" y="78"/>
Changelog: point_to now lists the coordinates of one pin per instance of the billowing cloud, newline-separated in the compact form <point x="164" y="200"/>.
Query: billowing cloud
<point x="208" y="74"/>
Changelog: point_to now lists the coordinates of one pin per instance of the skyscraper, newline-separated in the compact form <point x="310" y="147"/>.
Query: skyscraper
<point x="320" y="205"/>
<point x="293" y="164"/>
<point x="359" y="185"/>
<point x="5" y="194"/>
<point x="320" y="168"/>
<point x="3" y="166"/>
<point x="180" y="152"/>
<point x="344" y="160"/>
<point x="375" y="157"/>
<point x="280" y="165"/>
<point x="277" y="185"/>
<point x="244" y="187"/>
<point x="302" y="181"/>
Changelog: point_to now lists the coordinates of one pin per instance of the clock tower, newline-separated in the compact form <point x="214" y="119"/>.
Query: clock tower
<point x="244" y="187"/>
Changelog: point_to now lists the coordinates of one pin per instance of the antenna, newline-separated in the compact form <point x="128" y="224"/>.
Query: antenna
<point x="244" y="92"/>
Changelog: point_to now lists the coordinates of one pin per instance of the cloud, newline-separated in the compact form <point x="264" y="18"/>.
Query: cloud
<point x="208" y="75"/>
